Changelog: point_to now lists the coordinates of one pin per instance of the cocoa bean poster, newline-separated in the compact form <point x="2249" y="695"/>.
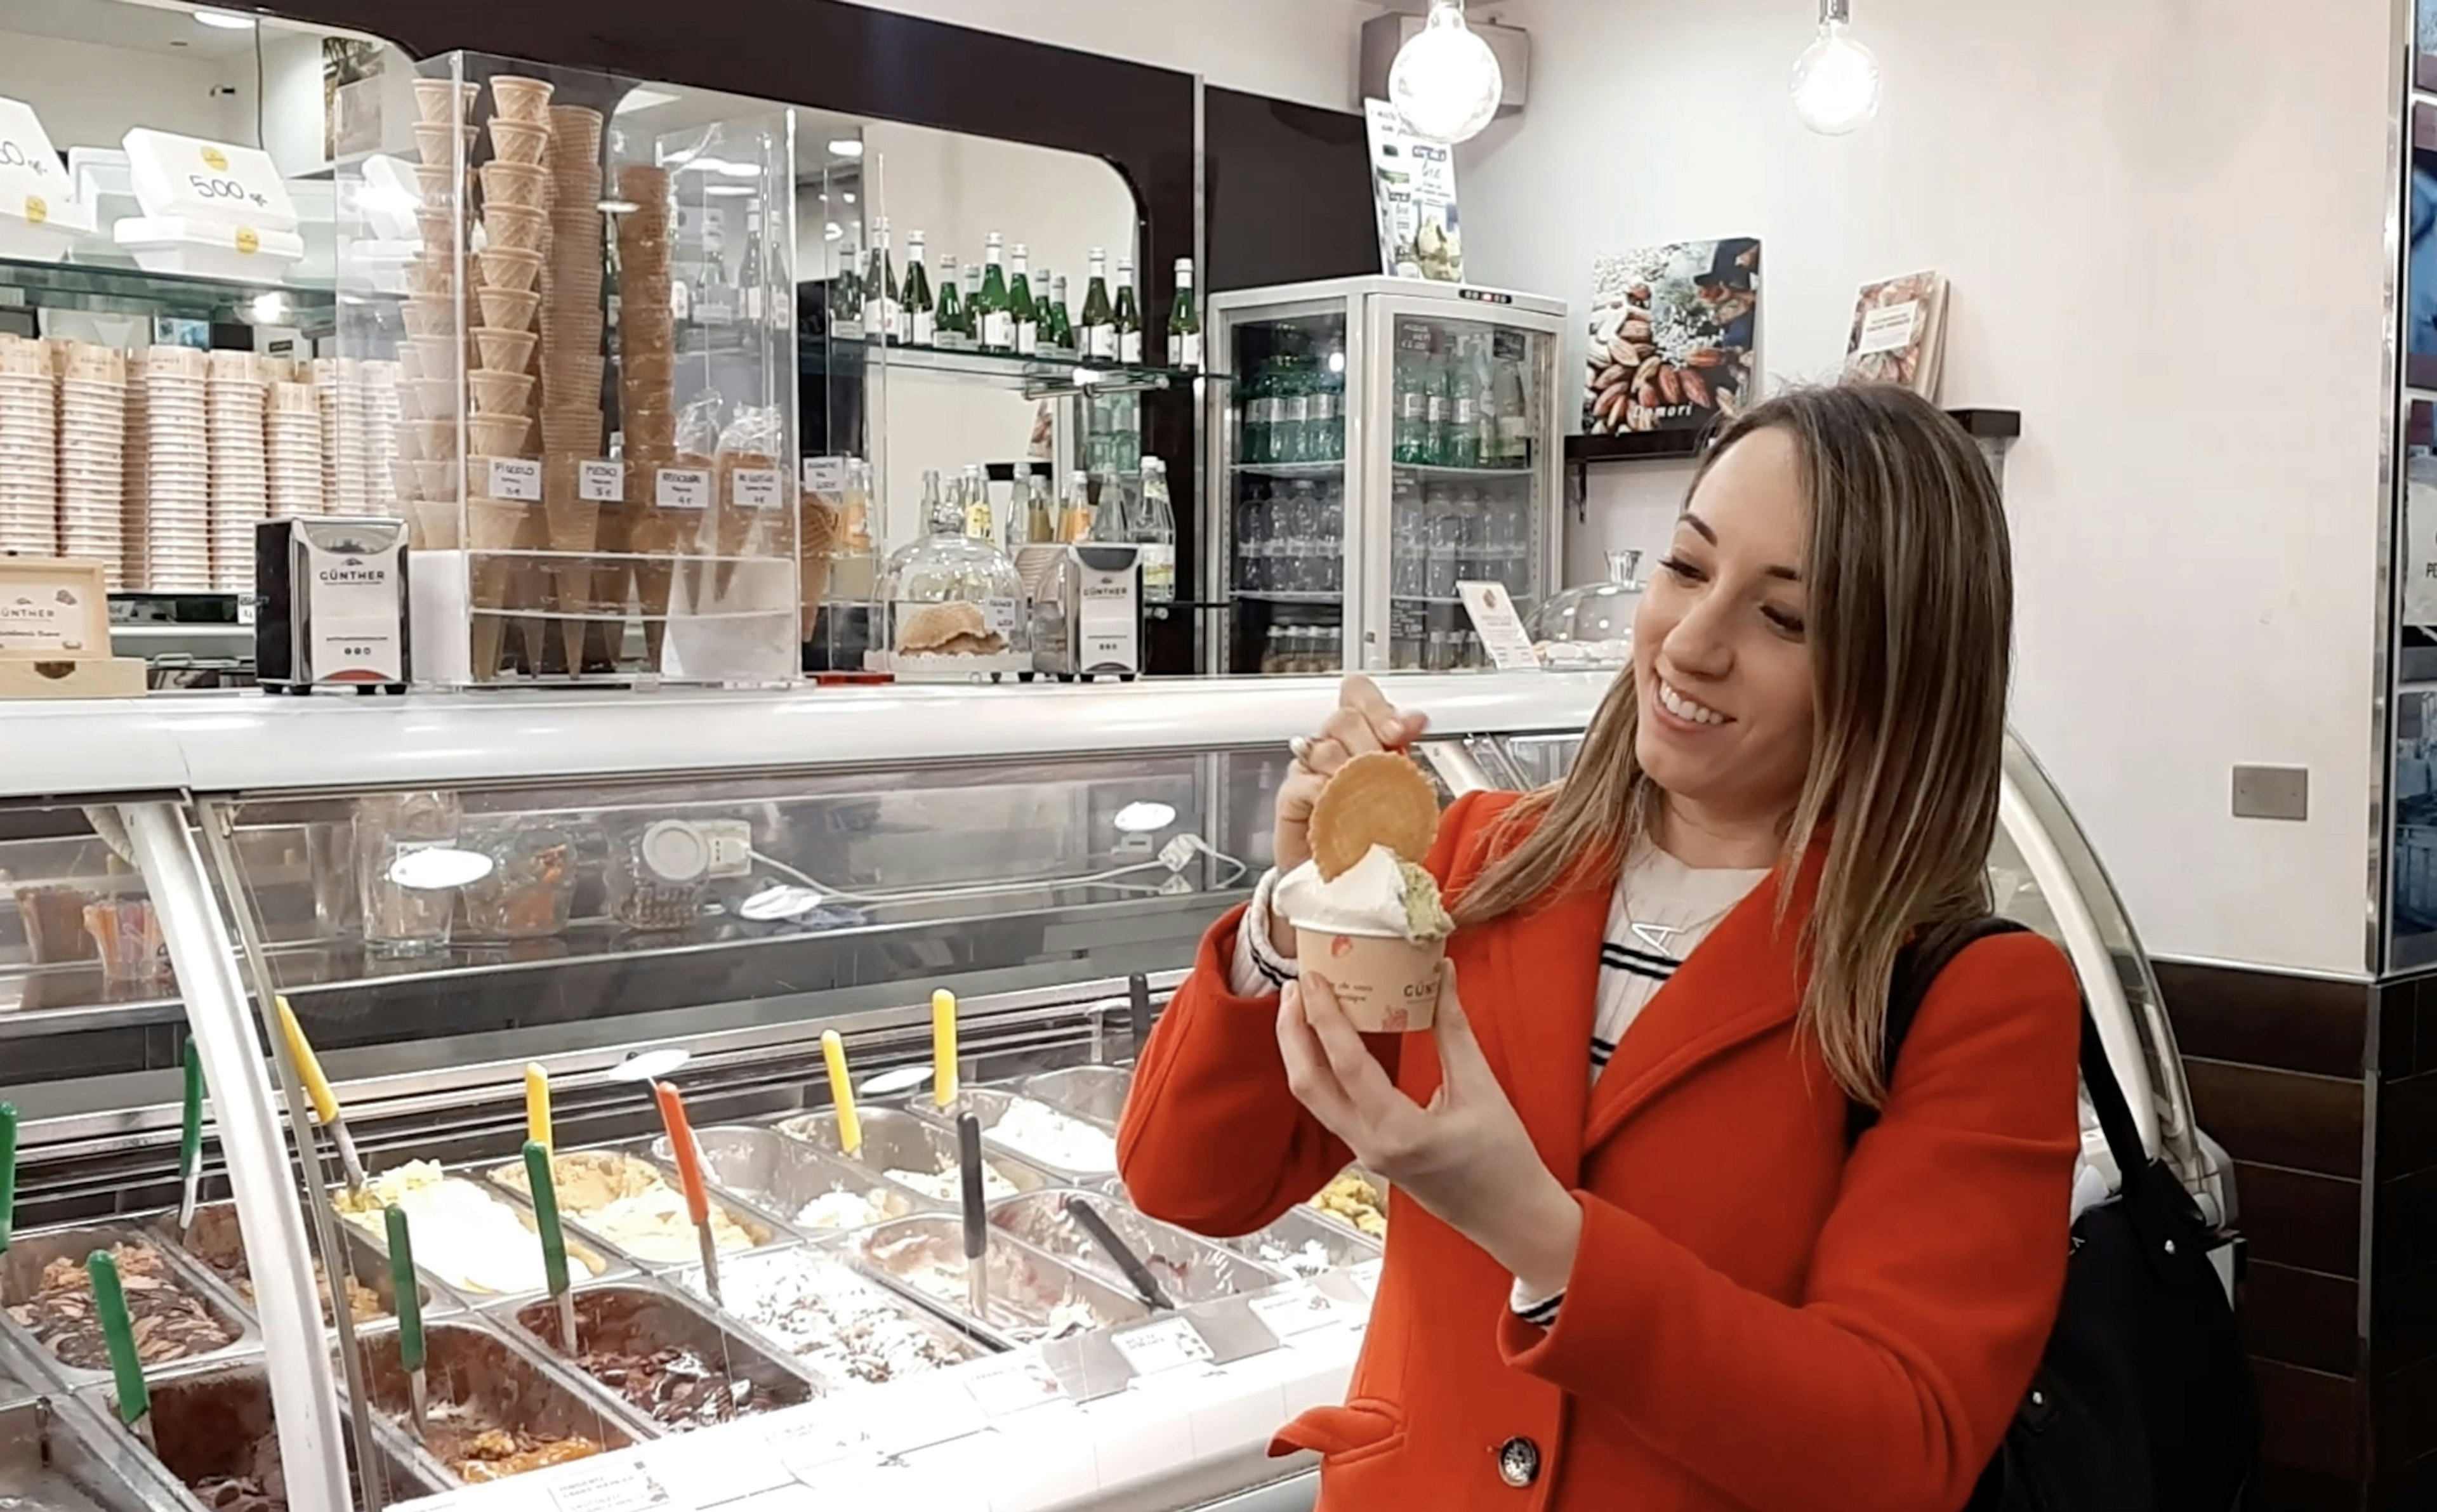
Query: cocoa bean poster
<point x="1674" y="336"/>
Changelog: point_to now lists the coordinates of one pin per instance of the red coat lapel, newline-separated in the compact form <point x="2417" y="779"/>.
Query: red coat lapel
<point x="1546" y="966"/>
<point x="1743" y="982"/>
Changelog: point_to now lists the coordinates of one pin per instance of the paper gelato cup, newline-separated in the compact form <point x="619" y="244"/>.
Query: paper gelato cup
<point x="1385" y="983"/>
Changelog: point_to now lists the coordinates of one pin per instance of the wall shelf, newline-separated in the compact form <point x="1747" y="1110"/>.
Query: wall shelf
<point x="1987" y="427"/>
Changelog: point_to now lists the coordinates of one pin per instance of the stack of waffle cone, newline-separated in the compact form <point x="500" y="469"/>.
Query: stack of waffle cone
<point x="571" y="365"/>
<point x="817" y="537"/>
<point x="502" y="534"/>
<point x="647" y="388"/>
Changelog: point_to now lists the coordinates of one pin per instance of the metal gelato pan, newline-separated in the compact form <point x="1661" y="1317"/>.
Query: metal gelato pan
<point x="55" y="1458"/>
<point x="484" y="1259"/>
<point x="216" y="1433"/>
<point x="790" y="1181"/>
<point x="845" y="1327"/>
<point x="1083" y="1152"/>
<point x="494" y="1412"/>
<point x="664" y="1360"/>
<point x="1031" y="1296"/>
<point x="218" y="1244"/>
<point x="1304" y="1244"/>
<point x="181" y="1317"/>
<point x="1095" y="1092"/>
<point x="1187" y="1268"/>
<point x="632" y="1205"/>
<point x="914" y="1154"/>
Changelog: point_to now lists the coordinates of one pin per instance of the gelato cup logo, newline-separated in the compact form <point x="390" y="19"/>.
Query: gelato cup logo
<point x="215" y="159"/>
<point x="1341" y="947"/>
<point x="36" y="211"/>
<point x="249" y="240"/>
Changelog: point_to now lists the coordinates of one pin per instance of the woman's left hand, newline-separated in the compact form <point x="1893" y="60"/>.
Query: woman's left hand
<point x="1466" y="1156"/>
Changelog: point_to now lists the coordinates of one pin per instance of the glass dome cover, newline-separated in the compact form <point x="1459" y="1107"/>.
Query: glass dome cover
<point x="1591" y="625"/>
<point x="954" y="598"/>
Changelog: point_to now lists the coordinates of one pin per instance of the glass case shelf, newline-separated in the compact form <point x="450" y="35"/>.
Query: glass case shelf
<point x="124" y="289"/>
<point x="1037" y="376"/>
<point x="1327" y="469"/>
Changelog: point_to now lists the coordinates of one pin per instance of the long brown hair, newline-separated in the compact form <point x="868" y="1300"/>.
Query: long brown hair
<point x="1910" y="618"/>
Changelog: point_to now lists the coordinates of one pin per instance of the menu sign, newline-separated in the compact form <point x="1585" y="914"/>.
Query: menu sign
<point x="1412" y="186"/>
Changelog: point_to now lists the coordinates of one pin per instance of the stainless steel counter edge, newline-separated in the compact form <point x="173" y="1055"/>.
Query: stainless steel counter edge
<point x="246" y="743"/>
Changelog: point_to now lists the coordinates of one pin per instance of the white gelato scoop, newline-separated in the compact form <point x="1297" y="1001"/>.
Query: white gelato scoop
<point x="1382" y="896"/>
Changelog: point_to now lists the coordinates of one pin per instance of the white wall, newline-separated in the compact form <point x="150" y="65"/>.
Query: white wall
<point x="2163" y="222"/>
<point x="89" y="95"/>
<point x="1301" y="50"/>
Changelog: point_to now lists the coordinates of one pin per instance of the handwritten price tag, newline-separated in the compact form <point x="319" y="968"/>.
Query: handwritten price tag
<point x="515" y="480"/>
<point x="1012" y="1383"/>
<point x="1366" y="1278"/>
<point x="601" y="483"/>
<point x="1166" y="1345"/>
<point x="756" y="488"/>
<point x="624" y="1486"/>
<point x="1292" y="1309"/>
<point x="825" y="474"/>
<point x="683" y="488"/>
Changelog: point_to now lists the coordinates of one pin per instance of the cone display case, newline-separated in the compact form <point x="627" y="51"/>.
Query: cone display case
<point x="595" y="462"/>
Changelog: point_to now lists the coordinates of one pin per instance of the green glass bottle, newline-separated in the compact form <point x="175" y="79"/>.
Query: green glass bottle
<point x="1130" y="326"/>
<point x="949" y="328"/>
<point x="880" y="296"/>
<point x="1020" y="302"/>
<point x="1099" y="327"/>
<point x="1185" y="321"/>
<point x="991" y="314"/>
<point x="1059" y="334"/>
<point x="921" y="321"/>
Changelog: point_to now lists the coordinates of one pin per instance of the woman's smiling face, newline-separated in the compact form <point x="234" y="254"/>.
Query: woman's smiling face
<point x="1721" y="668"/>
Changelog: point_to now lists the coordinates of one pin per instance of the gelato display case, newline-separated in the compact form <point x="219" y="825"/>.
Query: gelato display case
<point x="810" y="1313"/>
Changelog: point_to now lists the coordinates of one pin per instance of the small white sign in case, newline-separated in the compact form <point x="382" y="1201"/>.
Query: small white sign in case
<point x="683" y="488"/>
<point x="518" y="478"/>
<point x="601" y="483"/>
<point x="757" y="488"/>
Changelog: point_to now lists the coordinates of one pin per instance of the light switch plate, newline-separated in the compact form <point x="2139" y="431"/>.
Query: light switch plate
<point x="2272" y="793"/>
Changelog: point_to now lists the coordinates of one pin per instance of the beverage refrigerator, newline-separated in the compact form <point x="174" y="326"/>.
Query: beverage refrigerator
<point x="1382" y="439"/>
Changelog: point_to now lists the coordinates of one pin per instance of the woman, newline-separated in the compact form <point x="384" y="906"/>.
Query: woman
<point x="1631" y="1261"/>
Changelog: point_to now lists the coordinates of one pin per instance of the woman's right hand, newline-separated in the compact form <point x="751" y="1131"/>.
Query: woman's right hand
<point x="1363" y="722"/>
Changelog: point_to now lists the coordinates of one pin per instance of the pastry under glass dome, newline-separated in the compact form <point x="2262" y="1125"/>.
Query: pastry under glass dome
<point x="1591" y="625"/>
<point x="956" y="603"/>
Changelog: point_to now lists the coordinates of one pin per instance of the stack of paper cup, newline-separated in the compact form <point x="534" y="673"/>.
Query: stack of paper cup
<point x="241" y="470"/>
<point x="383" y="418"/>
<point x="573" y="325"/>
<point x="29" y="464"/>
<point x="135" y="513"/>
<point x="647" y="390"/>
<point x="292" y="441"/>
<point x="420" y="451"/>
<point x="178" y="480"/>
<point x="93" y="456"/>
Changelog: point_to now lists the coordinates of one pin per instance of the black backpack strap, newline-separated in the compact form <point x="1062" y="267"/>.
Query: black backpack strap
<point x="1918" y="965"/>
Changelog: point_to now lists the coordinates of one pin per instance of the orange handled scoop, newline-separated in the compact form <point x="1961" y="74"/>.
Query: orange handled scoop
<point x="697" y="1195"/>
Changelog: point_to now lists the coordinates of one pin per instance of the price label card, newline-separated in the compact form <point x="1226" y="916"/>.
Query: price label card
<point x="601" y="483"/>
<point x="1366" y="1278"/>
<point x="1298" y="1309"/>
<point x="1166" y="1345"/>
<point x="1499" y="626"/>
<point x="756" y="488"/>
<point x="825" y="474"/>
<point x="245" y="608"/>
<point x="218" y="181"/>
<point x="1012" y="1382"/>
<point x="728" y="1469"/>
<point x="917" y="1417"/>
<point x="623" y="1485"/>
<point x="807" y="1447"/>
<point x="515" y="478"/>
<point x="683" y="488"/>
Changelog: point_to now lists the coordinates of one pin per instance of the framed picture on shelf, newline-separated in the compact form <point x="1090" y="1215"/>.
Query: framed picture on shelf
<point x="1674" y="332"/>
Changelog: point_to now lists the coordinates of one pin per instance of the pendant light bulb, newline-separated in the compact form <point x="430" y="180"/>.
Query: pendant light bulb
<point x="1445" y="84"/>
<point x="1835" y="82"/>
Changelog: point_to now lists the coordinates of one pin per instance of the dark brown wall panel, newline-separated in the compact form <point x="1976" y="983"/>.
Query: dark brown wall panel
<point x="2300" y="1218"/>
<point x="2279" y="1118"/>
<point x="2260" y="1018"/>
<point x="1270" y="165"/>
<point x="2407" y="1125"/>
<point x="2302" y="1317"/>
<point x="2310" y="1420"/>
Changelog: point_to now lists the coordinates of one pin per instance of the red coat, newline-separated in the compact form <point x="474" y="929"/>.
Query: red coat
<point x="1754" y="1320"/>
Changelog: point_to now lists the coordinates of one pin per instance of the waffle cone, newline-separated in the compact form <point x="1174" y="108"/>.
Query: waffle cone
<point x="1377" y="799"/>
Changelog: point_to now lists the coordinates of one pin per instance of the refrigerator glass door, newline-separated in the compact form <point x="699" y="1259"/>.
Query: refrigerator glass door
<point x="1465" y="460"/>
<point x="1284" y="454"/>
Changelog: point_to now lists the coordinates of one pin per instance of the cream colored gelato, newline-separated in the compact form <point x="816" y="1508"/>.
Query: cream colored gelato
<point x="1382" y="896"/>
<point x="464" y="1235"/>
<point x="627" y="1202"/>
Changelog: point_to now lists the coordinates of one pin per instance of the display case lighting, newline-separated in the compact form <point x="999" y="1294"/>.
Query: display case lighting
<point x="740" y="170"/>
<point x="225" y="21"/>
<point x="845" y="146"/>
<point x="726" y="191"/>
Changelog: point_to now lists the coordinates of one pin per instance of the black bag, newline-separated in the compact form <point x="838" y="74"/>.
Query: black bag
<point x="2143" y="1401"/>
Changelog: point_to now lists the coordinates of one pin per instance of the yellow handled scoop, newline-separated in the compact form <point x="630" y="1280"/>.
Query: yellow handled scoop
<point x="842" y="1093"/>
<point x="317" y="1091"/>
<point x="943" y="1047"/>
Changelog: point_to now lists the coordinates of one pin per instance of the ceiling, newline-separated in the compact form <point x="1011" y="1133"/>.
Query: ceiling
<point x="136" y="25"/>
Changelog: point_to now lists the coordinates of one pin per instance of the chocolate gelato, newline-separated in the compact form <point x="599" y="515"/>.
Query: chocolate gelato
<point x="171" y="1321"/>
